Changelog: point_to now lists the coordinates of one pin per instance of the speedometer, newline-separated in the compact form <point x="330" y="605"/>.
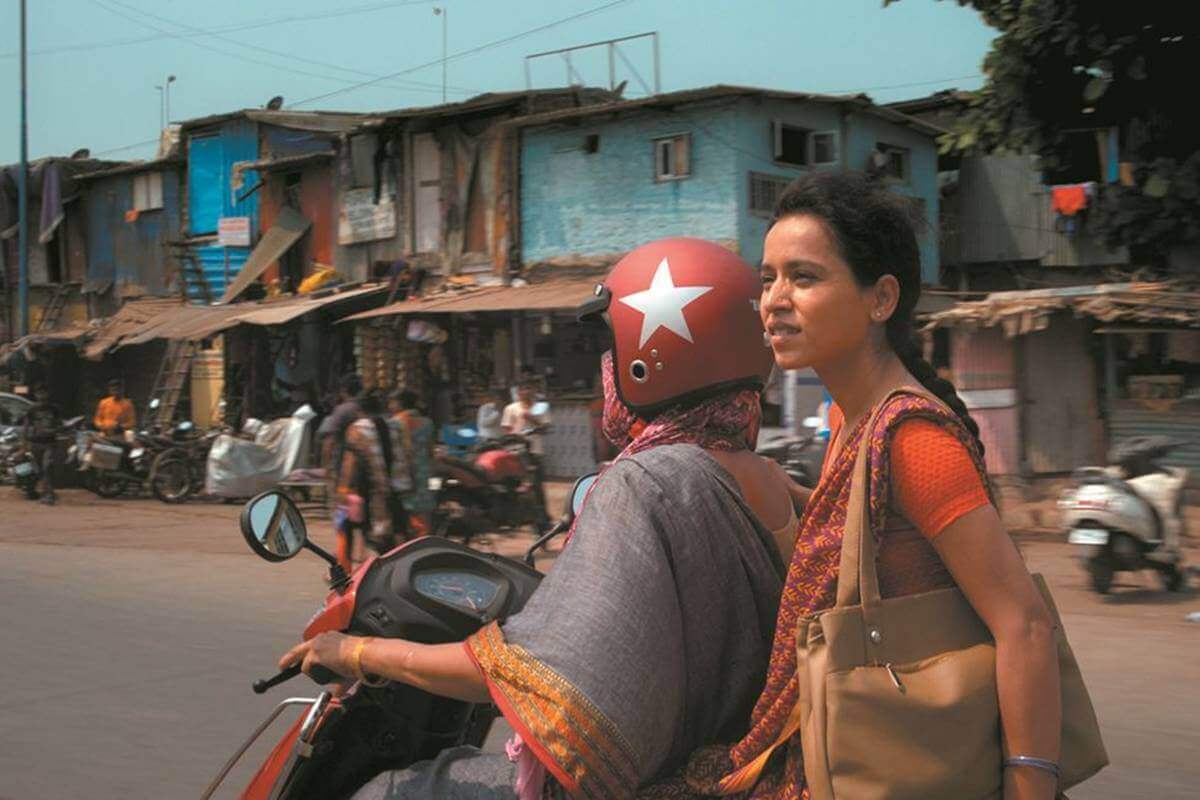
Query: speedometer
<point x="466" y="590"/>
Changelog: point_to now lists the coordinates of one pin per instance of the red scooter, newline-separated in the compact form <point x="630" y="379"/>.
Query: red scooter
<point x="428" y="590"/>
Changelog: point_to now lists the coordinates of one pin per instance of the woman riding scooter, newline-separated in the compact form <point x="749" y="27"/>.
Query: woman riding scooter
<point x="649" y="637"/>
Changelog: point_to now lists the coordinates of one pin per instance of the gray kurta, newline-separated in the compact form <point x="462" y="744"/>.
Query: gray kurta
<point x="660" y="612"/>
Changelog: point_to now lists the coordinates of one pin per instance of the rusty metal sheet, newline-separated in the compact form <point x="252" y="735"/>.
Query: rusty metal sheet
<point x="547" y="296"/>
<point x="279" y="313"/>
<point x="289" y="226"/>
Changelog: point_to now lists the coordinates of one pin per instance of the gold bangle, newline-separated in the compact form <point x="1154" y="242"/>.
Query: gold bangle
<point x="358" y="670"/>
<point x="356" y="658"/>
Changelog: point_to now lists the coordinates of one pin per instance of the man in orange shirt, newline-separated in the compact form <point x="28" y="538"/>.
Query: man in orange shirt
<point x="114" y="414"/>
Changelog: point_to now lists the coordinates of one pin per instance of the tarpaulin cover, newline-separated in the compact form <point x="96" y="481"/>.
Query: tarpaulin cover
<point x="242" y="468"/>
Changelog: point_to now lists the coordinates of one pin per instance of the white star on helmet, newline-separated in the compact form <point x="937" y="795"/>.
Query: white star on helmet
<point x="663" y="304"/>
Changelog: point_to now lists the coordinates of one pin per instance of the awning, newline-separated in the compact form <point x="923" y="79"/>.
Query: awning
<point x="200" y="322"/>
<point x="289" y="226"/>
<point x="549" y="296"/>
<point x="128" y="319"/>
<point x="1021" y="312"/>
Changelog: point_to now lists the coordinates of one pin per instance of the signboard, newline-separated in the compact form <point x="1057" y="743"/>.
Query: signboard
<point x="361" y="219"/>
<point x="233" y="231"/>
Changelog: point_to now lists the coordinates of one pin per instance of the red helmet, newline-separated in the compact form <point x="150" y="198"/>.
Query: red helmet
<point x="684" y="319"/>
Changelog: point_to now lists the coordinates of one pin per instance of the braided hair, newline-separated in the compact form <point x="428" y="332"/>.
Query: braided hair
<point x="875" y="231"/>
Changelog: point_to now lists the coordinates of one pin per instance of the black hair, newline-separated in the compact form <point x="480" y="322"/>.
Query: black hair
<point x="875" y="230"/>
<point x="407" y="398"/>
<point x="351" y="384"/>
<point x="371" y="402"/>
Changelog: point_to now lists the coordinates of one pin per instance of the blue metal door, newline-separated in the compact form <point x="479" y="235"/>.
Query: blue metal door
<point x="206" y="185"/>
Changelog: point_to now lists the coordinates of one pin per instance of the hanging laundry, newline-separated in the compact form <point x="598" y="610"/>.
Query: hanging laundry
<point x="1070" y="199"/>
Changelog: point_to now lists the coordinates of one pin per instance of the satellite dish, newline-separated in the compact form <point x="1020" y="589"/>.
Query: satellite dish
<point x="275" y="103"/>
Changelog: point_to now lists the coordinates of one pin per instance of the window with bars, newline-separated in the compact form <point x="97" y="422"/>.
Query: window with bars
<point x="765" y="191"/>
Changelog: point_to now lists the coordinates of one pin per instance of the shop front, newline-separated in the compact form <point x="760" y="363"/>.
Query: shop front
<point x="455" y="348"/>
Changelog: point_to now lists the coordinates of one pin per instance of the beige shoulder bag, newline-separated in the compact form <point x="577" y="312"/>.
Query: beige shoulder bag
<point x="898" y="696"/>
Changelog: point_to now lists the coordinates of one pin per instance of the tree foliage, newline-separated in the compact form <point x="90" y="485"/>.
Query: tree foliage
<point x="1059" y="67"/>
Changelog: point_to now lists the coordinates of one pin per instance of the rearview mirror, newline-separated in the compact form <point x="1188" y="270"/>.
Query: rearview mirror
<point x="273" y="526"/>
<point x="579" y="493"/>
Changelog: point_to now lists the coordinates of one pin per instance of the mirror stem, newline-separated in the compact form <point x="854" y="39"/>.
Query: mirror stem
<point x="543" y="540"/>
<point x="338" y="579"/>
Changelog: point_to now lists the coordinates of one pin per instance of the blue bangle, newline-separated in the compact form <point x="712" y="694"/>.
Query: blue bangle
<point x="1029" y="761"/>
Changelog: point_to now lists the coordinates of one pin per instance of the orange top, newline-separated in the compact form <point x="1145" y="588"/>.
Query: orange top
<point x="934" y="481"/>
<point x="112" y="412"/>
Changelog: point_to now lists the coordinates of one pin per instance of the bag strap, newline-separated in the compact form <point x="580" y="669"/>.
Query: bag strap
<point x="858" y="578"/>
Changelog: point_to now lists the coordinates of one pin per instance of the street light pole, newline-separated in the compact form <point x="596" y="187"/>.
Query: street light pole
<point x="162" y="112"/>
<point x="167" y="100"/>
<point x="442" y="12"/>
<point x="23" y="197"/>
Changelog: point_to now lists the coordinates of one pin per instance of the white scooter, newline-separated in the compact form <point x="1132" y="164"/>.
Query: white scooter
<point x="1129" y="515"/>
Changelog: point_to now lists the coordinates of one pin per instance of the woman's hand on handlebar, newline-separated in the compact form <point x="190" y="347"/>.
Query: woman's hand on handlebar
<point x="331" y="650"/>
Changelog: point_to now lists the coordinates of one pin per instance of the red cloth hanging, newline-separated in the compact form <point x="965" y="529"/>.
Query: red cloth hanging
<point x="1069" y="200"/>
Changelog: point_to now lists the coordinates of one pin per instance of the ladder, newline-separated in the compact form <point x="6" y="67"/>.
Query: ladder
<point x="194" y="285"/>
<point x="53" y="310"/>
<point x="171" y="380"/>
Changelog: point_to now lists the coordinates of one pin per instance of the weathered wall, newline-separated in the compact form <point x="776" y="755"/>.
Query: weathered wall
<point x="864" y="130"/>
<point x="578" y="204"/>
<point x="130" y="257"/>
<point x="755" y="148"/>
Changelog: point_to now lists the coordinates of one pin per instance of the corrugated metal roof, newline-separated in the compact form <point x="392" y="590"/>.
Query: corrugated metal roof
<point x="1027" y="311"/>
<point x="128" y="319"/>
<point x="287" y="162"/>
<point x="670" y="99"/>
<point x="200" y="322"/>
<point x="132" y="167"/>
<point x="548" y="296"/>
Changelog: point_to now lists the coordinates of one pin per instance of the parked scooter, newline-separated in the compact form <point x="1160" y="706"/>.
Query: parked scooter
<point x="428" y="590"/>
<point x="1128" y="516"/>
<point x="495" y="487"/>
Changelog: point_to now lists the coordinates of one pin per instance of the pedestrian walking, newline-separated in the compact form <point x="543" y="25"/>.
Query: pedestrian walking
<point x="42" y="422"/>
<point x="420" y="500"/>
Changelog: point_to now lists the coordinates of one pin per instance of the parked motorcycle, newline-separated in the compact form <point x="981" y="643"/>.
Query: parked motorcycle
<point x="10" y="447"/>
<point x="1128" y="516"/>
<point x="428" y="590"/>
<point x="495" y="487"/>
<point x="800" y="456"/>
<point x="112" y="468"/>
<point x="190" y="449"/>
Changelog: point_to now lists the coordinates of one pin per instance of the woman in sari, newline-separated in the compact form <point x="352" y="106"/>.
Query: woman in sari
<point x="650" y="635"/>
<point x="419" y="502"/>
<point x="840" y="280"/>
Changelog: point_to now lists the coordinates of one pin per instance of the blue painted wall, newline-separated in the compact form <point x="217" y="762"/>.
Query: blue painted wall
<point x="865" y="131"/>
<point x="576" y="203"/>
<point x="211" y="156"/>
<point x="128" y="255"/>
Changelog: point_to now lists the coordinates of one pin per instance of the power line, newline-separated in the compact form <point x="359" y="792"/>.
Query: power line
<point x="464" y="53"/>
<point x="345" y="12"/>
<point x="416" y="85"/>
<point x="905" y="85"/>
<point x="221" y="51"/>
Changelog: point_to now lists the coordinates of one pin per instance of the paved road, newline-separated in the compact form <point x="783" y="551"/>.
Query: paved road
<point x="130" y="633"/>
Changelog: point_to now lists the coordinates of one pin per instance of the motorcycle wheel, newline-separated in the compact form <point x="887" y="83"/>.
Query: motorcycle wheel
<point x="107" y="485"/>
<point x="454" y="515"/>
<point x="1173" y="578"/>
<point x="1101" y="571"/>
<point x="170" y="479"/>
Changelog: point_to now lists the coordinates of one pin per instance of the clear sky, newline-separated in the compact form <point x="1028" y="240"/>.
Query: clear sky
<point x="94" y="64"/>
